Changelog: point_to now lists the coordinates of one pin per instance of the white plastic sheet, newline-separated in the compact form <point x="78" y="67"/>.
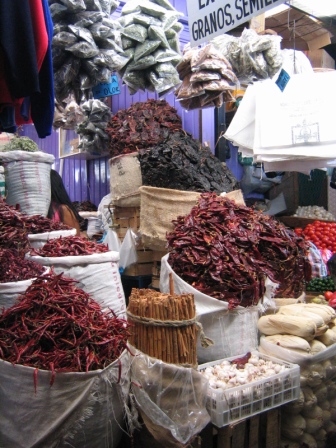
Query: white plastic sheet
<point x="80" y="410"/>
<point x="171" y="396"/>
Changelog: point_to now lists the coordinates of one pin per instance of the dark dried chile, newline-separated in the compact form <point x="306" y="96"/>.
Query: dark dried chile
<point x="240" y="362"/>
<point x="57" y="326"/>
<point x="142" y="125"/>
<point x="15" y="227"/>
<point x="14" y="268"/>
<point x="236" y="248"/>
<point x="181" y="163"/>
<point x="69" y="245"/>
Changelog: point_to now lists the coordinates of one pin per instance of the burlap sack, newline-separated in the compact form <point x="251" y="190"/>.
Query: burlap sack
<point x="160" y="206"/>
<point x="125" y="180"/>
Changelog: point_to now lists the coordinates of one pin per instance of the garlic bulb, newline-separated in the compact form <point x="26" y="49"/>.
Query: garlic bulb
<point x="314" y="212"/>
<point x="226" y="375"/>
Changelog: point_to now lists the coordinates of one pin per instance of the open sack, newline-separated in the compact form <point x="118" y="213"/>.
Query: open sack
<point x="28" y="180"/>
<point x="170" y="398"/>
<point x="98" y="275"/>
<point x="81" y="410"/>
<point x="233" y="331"/>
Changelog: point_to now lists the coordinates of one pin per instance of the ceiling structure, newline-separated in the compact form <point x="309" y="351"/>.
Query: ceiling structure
<point x="305" y="24"/>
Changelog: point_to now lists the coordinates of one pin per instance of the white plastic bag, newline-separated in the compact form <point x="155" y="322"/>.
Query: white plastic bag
<point x="171" y="396"/>
<point x="98" y="274"/>
<point x="128" y="253"/>
<point x="80" y="410"/>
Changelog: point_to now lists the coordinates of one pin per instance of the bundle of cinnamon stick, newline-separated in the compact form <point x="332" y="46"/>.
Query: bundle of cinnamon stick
<point x="164" y="325"/>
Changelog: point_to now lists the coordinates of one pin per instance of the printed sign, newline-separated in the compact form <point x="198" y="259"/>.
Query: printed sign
<point x="210" y="18"/>
<point x="103" y="90"/>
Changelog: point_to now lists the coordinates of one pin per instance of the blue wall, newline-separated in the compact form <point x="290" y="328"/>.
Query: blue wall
<point x="89" y="179"/>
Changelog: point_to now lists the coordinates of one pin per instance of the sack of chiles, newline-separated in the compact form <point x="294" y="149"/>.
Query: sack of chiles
<point x="165" y="326"/>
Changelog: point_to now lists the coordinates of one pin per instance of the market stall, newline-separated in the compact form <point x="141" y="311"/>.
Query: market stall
<point x="197" y="306"/>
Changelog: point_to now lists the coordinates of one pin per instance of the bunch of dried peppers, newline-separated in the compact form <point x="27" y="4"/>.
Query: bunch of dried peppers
<point x="69" y="245"/>
<point x="57" y="326"/>
<point x="15" y="268"/>
<point x="15" y="227"/>
<point x="226" y="250"/>
<point x="142" y="125"/>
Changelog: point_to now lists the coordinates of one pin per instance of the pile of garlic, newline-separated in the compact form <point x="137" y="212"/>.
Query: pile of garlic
<point x="314" y="212"/>
<point x="227" y="375"/>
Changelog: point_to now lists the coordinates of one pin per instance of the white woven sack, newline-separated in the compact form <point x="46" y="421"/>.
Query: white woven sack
<point x="98" y="275"/>
<point x="125" y="180"/>
<point x="10" y="291"/>
<point x="27" y="177"/>
<point x="233" y="331"/>
<point x="37" y="240"/>
<point x="80" y="410"/>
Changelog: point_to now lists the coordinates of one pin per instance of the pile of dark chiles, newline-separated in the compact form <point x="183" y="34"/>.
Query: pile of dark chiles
<point x="180" y="162"/>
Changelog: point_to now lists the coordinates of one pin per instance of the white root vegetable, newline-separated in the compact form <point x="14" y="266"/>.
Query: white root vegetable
<point x="325" y="405"/>
<point x="326" y="416"/>
<point x="293" y="426"/>
<point x="333" y="409"/>
<point x="286" y="443"/>
<point x="321" y="393"/>
<point x="314" y="412"/>
<point x="330" y="427"/>
<point x="312" y="378"/>
<point x="309" y="397"/>
<point x="281" y="324"/>
<point x="321" y="435"/>
<point x="313" y="425"/>
<point x="328" y="338"/>
<point x="296" y="406"/>
<point x="316" y="346"/>
<point x="308" y="440"/>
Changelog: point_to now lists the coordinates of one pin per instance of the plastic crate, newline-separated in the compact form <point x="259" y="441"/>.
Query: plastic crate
<point x="240" y="402"/>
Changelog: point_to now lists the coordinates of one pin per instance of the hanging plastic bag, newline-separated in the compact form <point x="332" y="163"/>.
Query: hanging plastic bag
<point x="128" y="253"/>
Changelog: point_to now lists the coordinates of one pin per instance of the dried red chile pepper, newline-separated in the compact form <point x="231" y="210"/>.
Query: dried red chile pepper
<point x="14" y="268"/>
<point x="69" y="245"/>
<point x="225" y="250"/>
<point x="15" y="227"/>
<point x="142" y="125"/>
<point x="57" y="326"/>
